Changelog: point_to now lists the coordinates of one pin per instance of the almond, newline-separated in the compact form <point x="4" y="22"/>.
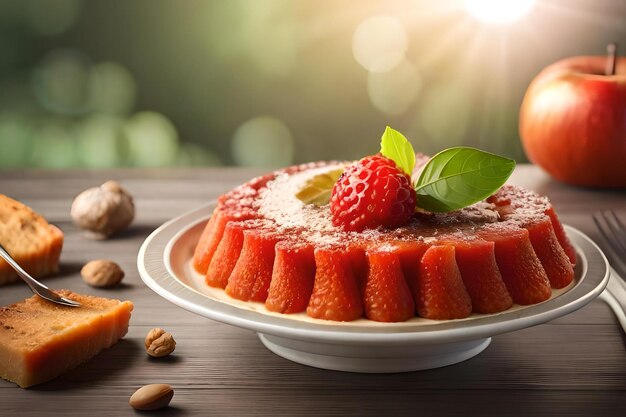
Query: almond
<point x="102" y="273"/>
<point x="151" y="397"/>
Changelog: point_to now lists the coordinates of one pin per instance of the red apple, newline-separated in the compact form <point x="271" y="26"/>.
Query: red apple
<point x="573" y="122"/>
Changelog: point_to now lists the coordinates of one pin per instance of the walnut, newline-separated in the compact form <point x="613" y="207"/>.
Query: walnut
<point x="159" y="343"/>
<point x="102" y="273"/>
<point x="103" y="210"/>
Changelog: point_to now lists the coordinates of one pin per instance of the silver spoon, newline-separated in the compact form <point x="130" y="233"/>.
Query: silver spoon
<point x="35" y="286"/>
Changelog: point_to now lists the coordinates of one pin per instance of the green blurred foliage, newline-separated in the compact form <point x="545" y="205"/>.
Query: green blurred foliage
<point x="153" y="83"/>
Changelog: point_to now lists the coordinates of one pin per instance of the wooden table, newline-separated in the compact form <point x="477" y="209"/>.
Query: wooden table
<point x="574" y="366"/>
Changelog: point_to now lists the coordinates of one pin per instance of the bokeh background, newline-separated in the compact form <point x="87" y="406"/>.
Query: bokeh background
<point x="267" y="83"/>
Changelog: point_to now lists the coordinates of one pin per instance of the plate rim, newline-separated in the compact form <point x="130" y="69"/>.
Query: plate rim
<point x="154" y="272"/>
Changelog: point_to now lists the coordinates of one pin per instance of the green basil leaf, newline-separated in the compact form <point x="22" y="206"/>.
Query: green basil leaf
<point x="317" y="189"/>
<point x="459" y="177"/>
<point x="396" y="147"/>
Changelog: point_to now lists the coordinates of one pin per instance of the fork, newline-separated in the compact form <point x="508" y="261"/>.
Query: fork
<point x="35" y="286"/>
<point x="613" y="232"/>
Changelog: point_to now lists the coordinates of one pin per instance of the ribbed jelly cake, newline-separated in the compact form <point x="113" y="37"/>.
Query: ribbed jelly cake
<point x="262" y="244"/>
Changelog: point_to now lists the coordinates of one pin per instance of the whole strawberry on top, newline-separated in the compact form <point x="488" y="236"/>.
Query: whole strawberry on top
<point x="370" y="193"/>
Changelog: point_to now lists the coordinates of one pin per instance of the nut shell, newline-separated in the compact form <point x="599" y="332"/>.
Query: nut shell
<point x="102" y="273"/>
<point x="103" y="210"/>
<point x="151" y="397"/>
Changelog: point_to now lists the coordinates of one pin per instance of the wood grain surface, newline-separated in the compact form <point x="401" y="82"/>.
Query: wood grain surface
<point x="572" y="366"/>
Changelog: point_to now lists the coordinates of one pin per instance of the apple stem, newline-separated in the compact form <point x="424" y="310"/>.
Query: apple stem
<point x="611" y="50"/>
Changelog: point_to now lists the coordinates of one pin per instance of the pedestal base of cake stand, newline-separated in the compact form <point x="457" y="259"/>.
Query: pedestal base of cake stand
<point x="373" y="358"/>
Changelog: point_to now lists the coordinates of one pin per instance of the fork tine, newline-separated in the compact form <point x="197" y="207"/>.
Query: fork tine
<point x="619" y="222"/>
<point x="69" y="302"/>
<point x="619" y="230"/>
<point x="615" y="253"/>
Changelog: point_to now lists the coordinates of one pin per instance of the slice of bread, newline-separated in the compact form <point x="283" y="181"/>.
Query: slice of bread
<point x="32" y="242"/>
<point x="40" y="340"/>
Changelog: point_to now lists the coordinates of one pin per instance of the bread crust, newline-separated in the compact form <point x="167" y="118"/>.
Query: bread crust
<point x="34" y="243"/>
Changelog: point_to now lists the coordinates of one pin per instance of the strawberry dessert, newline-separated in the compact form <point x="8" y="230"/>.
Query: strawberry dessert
<point x="342" y="241"/>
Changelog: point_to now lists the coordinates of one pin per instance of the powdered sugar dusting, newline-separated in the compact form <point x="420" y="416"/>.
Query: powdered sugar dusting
<point x="519" y="205"/>
<point x="274" y="197"/>
<point x="278" y="202"/>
